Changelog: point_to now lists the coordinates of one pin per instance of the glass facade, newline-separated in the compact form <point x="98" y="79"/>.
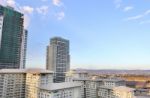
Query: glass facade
<point x="11" y="38"/>
<point x="58" y="58"/>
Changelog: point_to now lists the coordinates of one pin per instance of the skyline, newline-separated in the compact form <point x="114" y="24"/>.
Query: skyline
<point x="111" y="32"/>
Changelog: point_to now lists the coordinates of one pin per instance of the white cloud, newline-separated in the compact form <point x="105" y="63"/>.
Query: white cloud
<point x="24" y="9"/>
<point x="145" y="22"/>
<point x="135" y="17"/>
<point x="128" y="8"/>
<point x="11" y="3"/>
<point x="139" y="16"/>
<point x="60" y="15"/>
<point x="57" y="2"/>
<point x="26" y="21"/>
<point x="147" y="12"/>
<point x="117" y="3"/>
<point x="27" y="9"/>
<point x="42" y="10"/>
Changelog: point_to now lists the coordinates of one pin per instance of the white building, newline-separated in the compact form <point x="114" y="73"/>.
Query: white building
<point x="90" y="86"/>
<point x="21" y="83"/>
<point x="35" y="79"/>
<point x="123" y="92"/>
<point x="115" y="92"/>
<point x="113" y="82"/>
<point x="114" y="88"/>
<point x="12" y="83"/>
<point x="72" y="74"/>
<point x="35" y="83"/>
<point x="105" y="92"/>
<point x="61" y="90"/>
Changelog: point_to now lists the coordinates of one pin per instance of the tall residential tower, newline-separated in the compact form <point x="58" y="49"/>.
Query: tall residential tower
<point x="58" y="58"/>
<point x="12" y="38"/>
<point x="23" y="49"/>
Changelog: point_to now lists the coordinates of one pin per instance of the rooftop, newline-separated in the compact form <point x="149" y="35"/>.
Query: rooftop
<point x="147" y="96"/>
<point x="106" y="87"/>
<point x="118" y="88"/>
<point x="123" y="89"/>
<point x="31" y="70"/>
<point x="59" y="86"/>
<point x="97" y="80"/>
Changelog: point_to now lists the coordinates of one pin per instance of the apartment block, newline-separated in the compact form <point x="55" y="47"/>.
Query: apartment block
<point x="58" y="58"/>
<point x="11" y="38"/>
<point x="12" y="84"/>
<point x="115" y="92"/>
<point x="61" y="90"/>
<point x="35" y="78"/>
<point x="21" y="83"/>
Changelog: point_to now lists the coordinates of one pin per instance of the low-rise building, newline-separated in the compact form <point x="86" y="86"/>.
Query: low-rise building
<point x="72" y="74"/>
<point x="123" y="92"/>
<point x="61" y="90"/>
<point x="23" y="83"/>
<point x="90" y="85"/>
<point x="36" y="78"/>
<point x="146" y="96"/>
<point x="113" y="82"/>
<point x="12" y="83"/>
<point x="35" y="83"/>
<point x="142" y="92"/>
<point x="115" y="92"/>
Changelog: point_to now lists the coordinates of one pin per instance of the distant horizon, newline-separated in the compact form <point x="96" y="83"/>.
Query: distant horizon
<point x="106" y="34"/>
<point x="111" y="69"/>
<point x="80" y="68"/>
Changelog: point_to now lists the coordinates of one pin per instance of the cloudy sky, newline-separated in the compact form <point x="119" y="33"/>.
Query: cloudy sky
<point x="103" y="34"/>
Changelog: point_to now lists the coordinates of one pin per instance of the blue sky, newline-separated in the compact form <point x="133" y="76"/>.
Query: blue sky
<point x="103" y="34"/>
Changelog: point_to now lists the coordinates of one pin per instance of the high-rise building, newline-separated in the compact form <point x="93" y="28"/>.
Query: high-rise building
<point x="58" y="58"/>
<point x="12" y="38"/>
<point x="23" y="49"/>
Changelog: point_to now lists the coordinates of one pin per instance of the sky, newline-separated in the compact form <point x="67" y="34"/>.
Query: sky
<point x="103" y="34"/>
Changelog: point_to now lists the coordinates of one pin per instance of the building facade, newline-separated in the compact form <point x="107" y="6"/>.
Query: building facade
<point x="11" y="37"/>
<point x="20" y="83"/>
<point x="115" y="88"/>
<point x="58" y="58"/>
<point x="12" y="84"/>
<point x="23" y="49"/>
<point x="94" y="87"/>
<point x="115" y="92"/>
<point x="35" y="83"/>
<point x="61" y="90"/>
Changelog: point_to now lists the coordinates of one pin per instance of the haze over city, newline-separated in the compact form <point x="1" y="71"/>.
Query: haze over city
<point x="103" y="34"/>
